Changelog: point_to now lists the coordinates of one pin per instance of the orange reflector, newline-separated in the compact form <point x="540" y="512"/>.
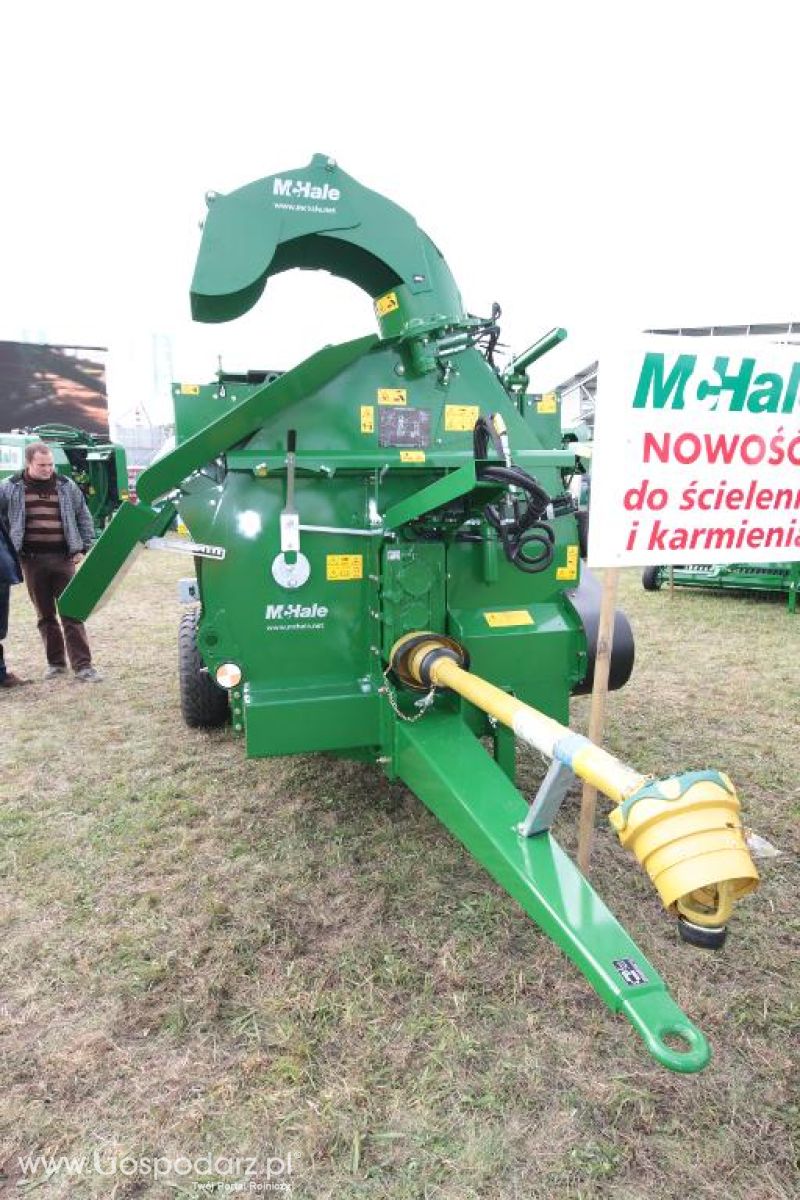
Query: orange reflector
<point x="228" y="675"/>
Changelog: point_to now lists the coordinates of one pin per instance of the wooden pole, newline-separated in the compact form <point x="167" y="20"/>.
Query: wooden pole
<point x="605" y="642"/>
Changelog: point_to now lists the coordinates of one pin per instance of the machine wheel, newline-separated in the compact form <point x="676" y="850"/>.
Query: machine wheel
<point x="204" y="704"/>
<point x="582" y="518"/>
<point x="704" y="936"/>
<point x="651" y="579"/>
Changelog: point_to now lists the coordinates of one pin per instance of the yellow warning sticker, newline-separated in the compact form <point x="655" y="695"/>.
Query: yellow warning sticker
<point x="570" y="570"/>
<point x="548" y="403"/>
<point x="190" y="389"/>
<point x="387" y="304"/>
<point x="367" y="418"/>
<point x="460" y="418"/>
<point x="392" y="396"/>
<point x="517" y="616"/>
<point x="344" y="566"/>
<point x="412" y="456"/>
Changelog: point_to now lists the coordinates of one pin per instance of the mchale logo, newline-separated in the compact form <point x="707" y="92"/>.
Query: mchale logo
<point x="294" y="612"/>
<point x="672" y="382"/>
<point x="303" y="189"/>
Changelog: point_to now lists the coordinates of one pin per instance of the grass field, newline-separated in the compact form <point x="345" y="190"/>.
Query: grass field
<point x="291" y="960"/>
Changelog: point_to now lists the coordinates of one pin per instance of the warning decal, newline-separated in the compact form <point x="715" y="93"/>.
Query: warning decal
<point x="344" y="566"/>
<point x="500" y="620"/>
<point x="387" y="304"/>
<point x="570" y="570"/>
<point x="460" y="418"/>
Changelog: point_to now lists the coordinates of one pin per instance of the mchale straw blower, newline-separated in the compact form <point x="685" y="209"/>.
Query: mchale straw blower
<point x="388" y="570"/>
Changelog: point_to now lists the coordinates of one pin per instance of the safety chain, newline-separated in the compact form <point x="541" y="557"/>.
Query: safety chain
<point x="422" y="704"/>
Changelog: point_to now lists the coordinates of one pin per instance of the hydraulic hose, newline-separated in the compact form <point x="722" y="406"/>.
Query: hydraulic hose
<point x="528" y="541"/>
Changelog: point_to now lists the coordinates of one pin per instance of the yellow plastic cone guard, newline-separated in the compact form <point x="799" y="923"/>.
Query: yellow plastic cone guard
<point x="691" y="843"/>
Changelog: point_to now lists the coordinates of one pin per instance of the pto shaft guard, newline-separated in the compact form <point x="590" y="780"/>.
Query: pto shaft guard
<point x="685" y="830"/>
<point x="687" y="833"/>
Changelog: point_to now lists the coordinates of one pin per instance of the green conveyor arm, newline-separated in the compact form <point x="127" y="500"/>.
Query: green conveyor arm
<point x="445" y="764"/>
<point x="135" y="523"/>
<point x="131" y="525"/>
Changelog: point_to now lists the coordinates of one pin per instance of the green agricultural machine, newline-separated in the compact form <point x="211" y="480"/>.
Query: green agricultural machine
<point x="198" y="404"/>
<point x="744" y="577"/>
<point x="98" y="466"/>
<point x="388" y="570"/>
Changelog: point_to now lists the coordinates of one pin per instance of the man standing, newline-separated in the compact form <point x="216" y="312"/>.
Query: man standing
<point x="51" y="529"/>
<point x="10" y="573"/>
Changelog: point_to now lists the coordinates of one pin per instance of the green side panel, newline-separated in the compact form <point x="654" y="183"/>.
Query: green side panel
<point x="197" y="405"/>
<point x="536" y="662"/>
<point x="131" y="524"/>
<point x="316" y="638"/>
<point x="167" y="473"/>
<point x="297" y="722"/>
<point x="468" y="792"/>
<point x="413" y="596"/>
<point x="544" y="414"/>
<point x="541" y="654"/>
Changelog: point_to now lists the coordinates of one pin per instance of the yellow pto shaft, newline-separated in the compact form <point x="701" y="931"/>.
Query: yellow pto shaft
<point x="686" y="829"/>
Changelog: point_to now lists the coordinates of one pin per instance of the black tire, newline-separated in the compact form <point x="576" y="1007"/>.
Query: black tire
<point x="705" y="936"/>
<point x="582" y="518"/>
<point x="204" y="704"/>
<point x="651" y="579"/>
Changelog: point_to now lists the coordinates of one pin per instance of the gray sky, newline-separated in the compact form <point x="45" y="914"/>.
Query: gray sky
<point x="599" y="166"/>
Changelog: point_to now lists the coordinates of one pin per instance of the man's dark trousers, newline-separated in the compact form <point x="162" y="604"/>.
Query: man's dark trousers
<point x="5" y="593"/>
<point x="46" y="576"/>
<point x="9" y="575"/>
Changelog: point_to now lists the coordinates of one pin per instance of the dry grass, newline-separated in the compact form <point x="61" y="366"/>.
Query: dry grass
<point x="202" y="954"/>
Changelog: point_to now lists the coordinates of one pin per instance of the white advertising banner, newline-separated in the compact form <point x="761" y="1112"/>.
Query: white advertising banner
<point x="696" y="455"/>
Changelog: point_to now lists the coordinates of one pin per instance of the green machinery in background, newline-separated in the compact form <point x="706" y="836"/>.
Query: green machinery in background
<point x="749" y="577"/>
<point x="388" y="570"/>
<point x="98" y="466"/>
